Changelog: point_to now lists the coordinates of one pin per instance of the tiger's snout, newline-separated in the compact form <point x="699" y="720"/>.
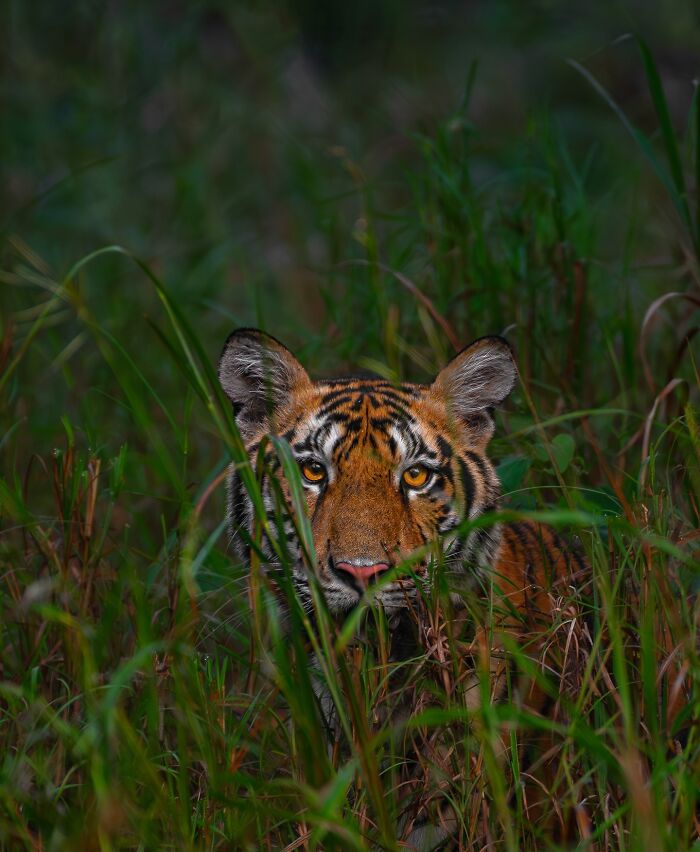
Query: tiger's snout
<point x="360" y="574"/>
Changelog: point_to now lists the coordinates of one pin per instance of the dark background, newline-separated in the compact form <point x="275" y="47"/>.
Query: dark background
<point x="276" y="163"/>
<point x="206" y="136"/>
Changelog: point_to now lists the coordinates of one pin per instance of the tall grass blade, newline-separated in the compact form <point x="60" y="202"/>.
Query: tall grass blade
<point x="669" y="136"/>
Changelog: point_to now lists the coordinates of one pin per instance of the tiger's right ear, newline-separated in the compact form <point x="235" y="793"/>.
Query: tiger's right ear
<point x="476" y="380"/>
<point x="258" y="374"/>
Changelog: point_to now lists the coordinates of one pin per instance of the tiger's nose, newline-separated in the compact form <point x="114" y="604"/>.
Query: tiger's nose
<point x="363" y="573"/>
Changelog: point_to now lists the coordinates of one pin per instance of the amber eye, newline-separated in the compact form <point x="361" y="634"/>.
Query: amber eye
<point x="416" y="476"/>
<point x="313" y="471"/>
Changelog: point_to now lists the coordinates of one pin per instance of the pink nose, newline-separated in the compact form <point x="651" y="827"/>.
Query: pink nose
<point x="362" y="572"/>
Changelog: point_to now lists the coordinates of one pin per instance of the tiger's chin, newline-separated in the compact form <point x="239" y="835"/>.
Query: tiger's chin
<point x="391" y="601"/>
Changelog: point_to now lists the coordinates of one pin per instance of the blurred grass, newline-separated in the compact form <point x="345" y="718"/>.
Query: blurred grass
<point x="369" y="200"/>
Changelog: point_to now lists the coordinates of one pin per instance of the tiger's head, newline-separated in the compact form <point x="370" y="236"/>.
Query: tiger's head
<point x="386" y="469"/>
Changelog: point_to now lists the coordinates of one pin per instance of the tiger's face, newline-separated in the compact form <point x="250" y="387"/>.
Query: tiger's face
<point x="387" y="470"/>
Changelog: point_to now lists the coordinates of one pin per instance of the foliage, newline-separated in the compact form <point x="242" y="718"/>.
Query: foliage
<point x="149" y="695"/>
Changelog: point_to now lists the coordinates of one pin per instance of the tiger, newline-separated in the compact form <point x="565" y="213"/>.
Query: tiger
<point x="388" y="470"/>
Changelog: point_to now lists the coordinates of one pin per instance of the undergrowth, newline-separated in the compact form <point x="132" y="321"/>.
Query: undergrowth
<point x="154" y="694"/>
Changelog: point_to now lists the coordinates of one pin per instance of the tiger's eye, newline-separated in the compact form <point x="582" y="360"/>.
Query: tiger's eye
<point x="313" y="471"/>
<point x="416" y="476"/>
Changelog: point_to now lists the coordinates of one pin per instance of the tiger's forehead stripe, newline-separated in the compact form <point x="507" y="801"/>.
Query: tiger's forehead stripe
<point x="368" y="414"/>
<point x="341" y="402"/>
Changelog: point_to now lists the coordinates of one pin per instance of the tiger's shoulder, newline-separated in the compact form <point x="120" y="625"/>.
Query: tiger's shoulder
<point x="535" y="568"/>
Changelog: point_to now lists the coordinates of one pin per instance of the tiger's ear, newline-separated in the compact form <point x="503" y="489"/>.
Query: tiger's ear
<point x="258" y="374"/>
<point x="476" y="380"/>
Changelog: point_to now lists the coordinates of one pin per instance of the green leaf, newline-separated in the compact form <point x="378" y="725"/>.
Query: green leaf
<point x="512" y="471"/>
<point x="563" y="450"/>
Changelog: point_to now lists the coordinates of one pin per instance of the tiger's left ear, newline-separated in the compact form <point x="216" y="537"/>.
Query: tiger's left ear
<point x="476" y="380"/>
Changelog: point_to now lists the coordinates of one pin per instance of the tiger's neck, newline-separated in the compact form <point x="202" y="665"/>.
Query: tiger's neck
<point x="483" y="546"/>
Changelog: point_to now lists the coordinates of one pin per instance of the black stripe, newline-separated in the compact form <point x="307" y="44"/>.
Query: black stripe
<point x="569" y="550"/>
<point x="480" y="462"/>
<point x="381" y="423"/>
<point x="353" y="426"/>
<point x="400" y="412"/>
<point x="305" y="446"/>
<point x="237" y="504"/>
<point x="518" y="530"/>
<point x="344" y="452"/>
<point x="330" y="396"/>
<point x="542" y="549"/>
<point x="444" y="447"/>
<point x="467" y="485"/>
<point x="335" y="418"/>
<point x="446" y="473"/>
<point x="333" y="406"/>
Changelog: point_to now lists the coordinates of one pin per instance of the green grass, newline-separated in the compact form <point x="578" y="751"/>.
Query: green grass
<point x="148" y="696"/>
